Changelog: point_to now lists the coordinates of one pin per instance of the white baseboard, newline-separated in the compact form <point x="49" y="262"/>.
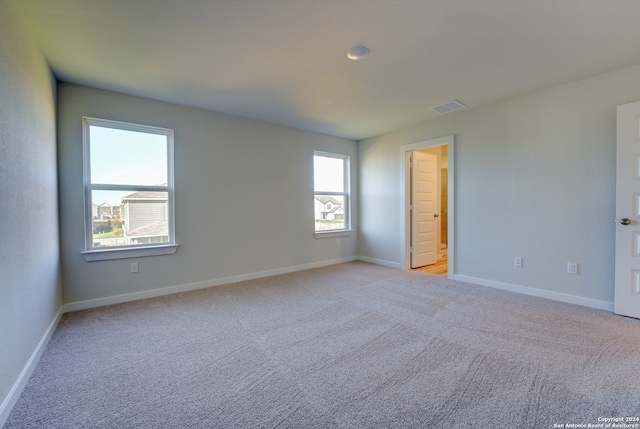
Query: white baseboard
<point x="379" y="262"/>
<point x="540" y="293"/>
<point x="152" y="293"/>
<point x="18" y="386"/>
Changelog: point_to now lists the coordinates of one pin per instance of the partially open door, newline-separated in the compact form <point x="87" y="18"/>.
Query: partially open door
<point x="424" y="209"/>
<point x="627" y="283"/>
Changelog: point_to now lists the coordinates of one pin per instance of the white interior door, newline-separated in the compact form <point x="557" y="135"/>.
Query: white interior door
<point x="627" y="282"/>
<point x="425" y="212"/>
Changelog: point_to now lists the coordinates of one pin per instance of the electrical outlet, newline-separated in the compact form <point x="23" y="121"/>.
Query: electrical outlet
<point x="134" y="267"/>
<point x="517" y="261"/>
<point x="572" y="268"/>
<point x="338" y="243"/>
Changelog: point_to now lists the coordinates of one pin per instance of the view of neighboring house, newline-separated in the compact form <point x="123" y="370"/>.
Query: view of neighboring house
<point x="103" y="211"/>
<point x="144" y="216"/>
<point x="328" y="208"/>
<point x="102" y="215"/>
<point x="328" y="211"/>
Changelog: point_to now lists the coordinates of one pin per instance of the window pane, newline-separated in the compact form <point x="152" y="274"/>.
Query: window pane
<point x="123" y="157"/>
<point x="129" y="180"/>
<point x="106" y="218"/>
<point x="328" y="174"/>
<point x="129" y="218"/>
<point x="145" y="217"/>
<point x="329" y="212"/>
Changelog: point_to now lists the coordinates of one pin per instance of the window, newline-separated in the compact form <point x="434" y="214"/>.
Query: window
<point x="128" y="183"/>
<point x="331" y="192"/>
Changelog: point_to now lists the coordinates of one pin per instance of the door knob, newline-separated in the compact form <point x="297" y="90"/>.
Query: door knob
<point x="625" y="221"/>
<point x="436" y="215"/>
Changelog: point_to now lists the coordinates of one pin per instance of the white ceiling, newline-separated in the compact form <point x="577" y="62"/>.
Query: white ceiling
<point x="284" y="61"/>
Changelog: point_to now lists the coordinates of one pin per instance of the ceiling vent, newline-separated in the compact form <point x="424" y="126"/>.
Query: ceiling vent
<point x="449" y="106"/>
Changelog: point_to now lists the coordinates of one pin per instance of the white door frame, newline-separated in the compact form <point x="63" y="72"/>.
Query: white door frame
<point x="405" y="219"/>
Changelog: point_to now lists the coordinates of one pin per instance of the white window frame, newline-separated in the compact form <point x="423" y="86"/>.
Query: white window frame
<point x="346" y="162"/>
<point x="129" y="251"/>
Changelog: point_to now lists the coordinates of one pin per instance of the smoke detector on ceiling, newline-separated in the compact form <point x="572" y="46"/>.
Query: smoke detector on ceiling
<point x="449" y="106"/>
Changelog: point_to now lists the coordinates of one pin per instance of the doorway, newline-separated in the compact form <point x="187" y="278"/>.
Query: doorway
<point x="440" y="214"/>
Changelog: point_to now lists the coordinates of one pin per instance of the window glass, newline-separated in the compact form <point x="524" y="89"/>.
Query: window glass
<point x="331" y="197"/>
<point x="127" y="157"/>
<point x="329" y="212"/>
<point x="129" y="185"/>
<point x="328" y="174"/>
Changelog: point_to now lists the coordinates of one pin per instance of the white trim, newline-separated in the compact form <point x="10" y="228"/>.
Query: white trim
<point x="540" y="293"/>
<point x="405" y="224"/>
<point x="117" y="299"/>
<point x="169" y="188"/>
<point x="346" y="187"/>
<point x="333" y="233"/>
<point x="15" y="392"/>
<point x="380" y="262"/>
<point x="129" y="252"/>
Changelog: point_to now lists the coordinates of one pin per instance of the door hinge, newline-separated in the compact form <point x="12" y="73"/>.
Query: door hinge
<point x="410" y="206"/>
<point x="410" y="249"/>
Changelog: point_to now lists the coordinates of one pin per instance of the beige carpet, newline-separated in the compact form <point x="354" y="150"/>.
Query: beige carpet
<point x="349" y="346"/>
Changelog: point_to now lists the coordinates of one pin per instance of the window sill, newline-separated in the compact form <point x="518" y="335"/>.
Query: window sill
<point x="331" y="234"/>
<point x="123" y="253"/>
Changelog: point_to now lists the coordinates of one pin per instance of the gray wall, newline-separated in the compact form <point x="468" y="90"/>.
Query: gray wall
<point x="534" y="176"/>
<point x="244" y="197"/>
<point x="30" y="294"/>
